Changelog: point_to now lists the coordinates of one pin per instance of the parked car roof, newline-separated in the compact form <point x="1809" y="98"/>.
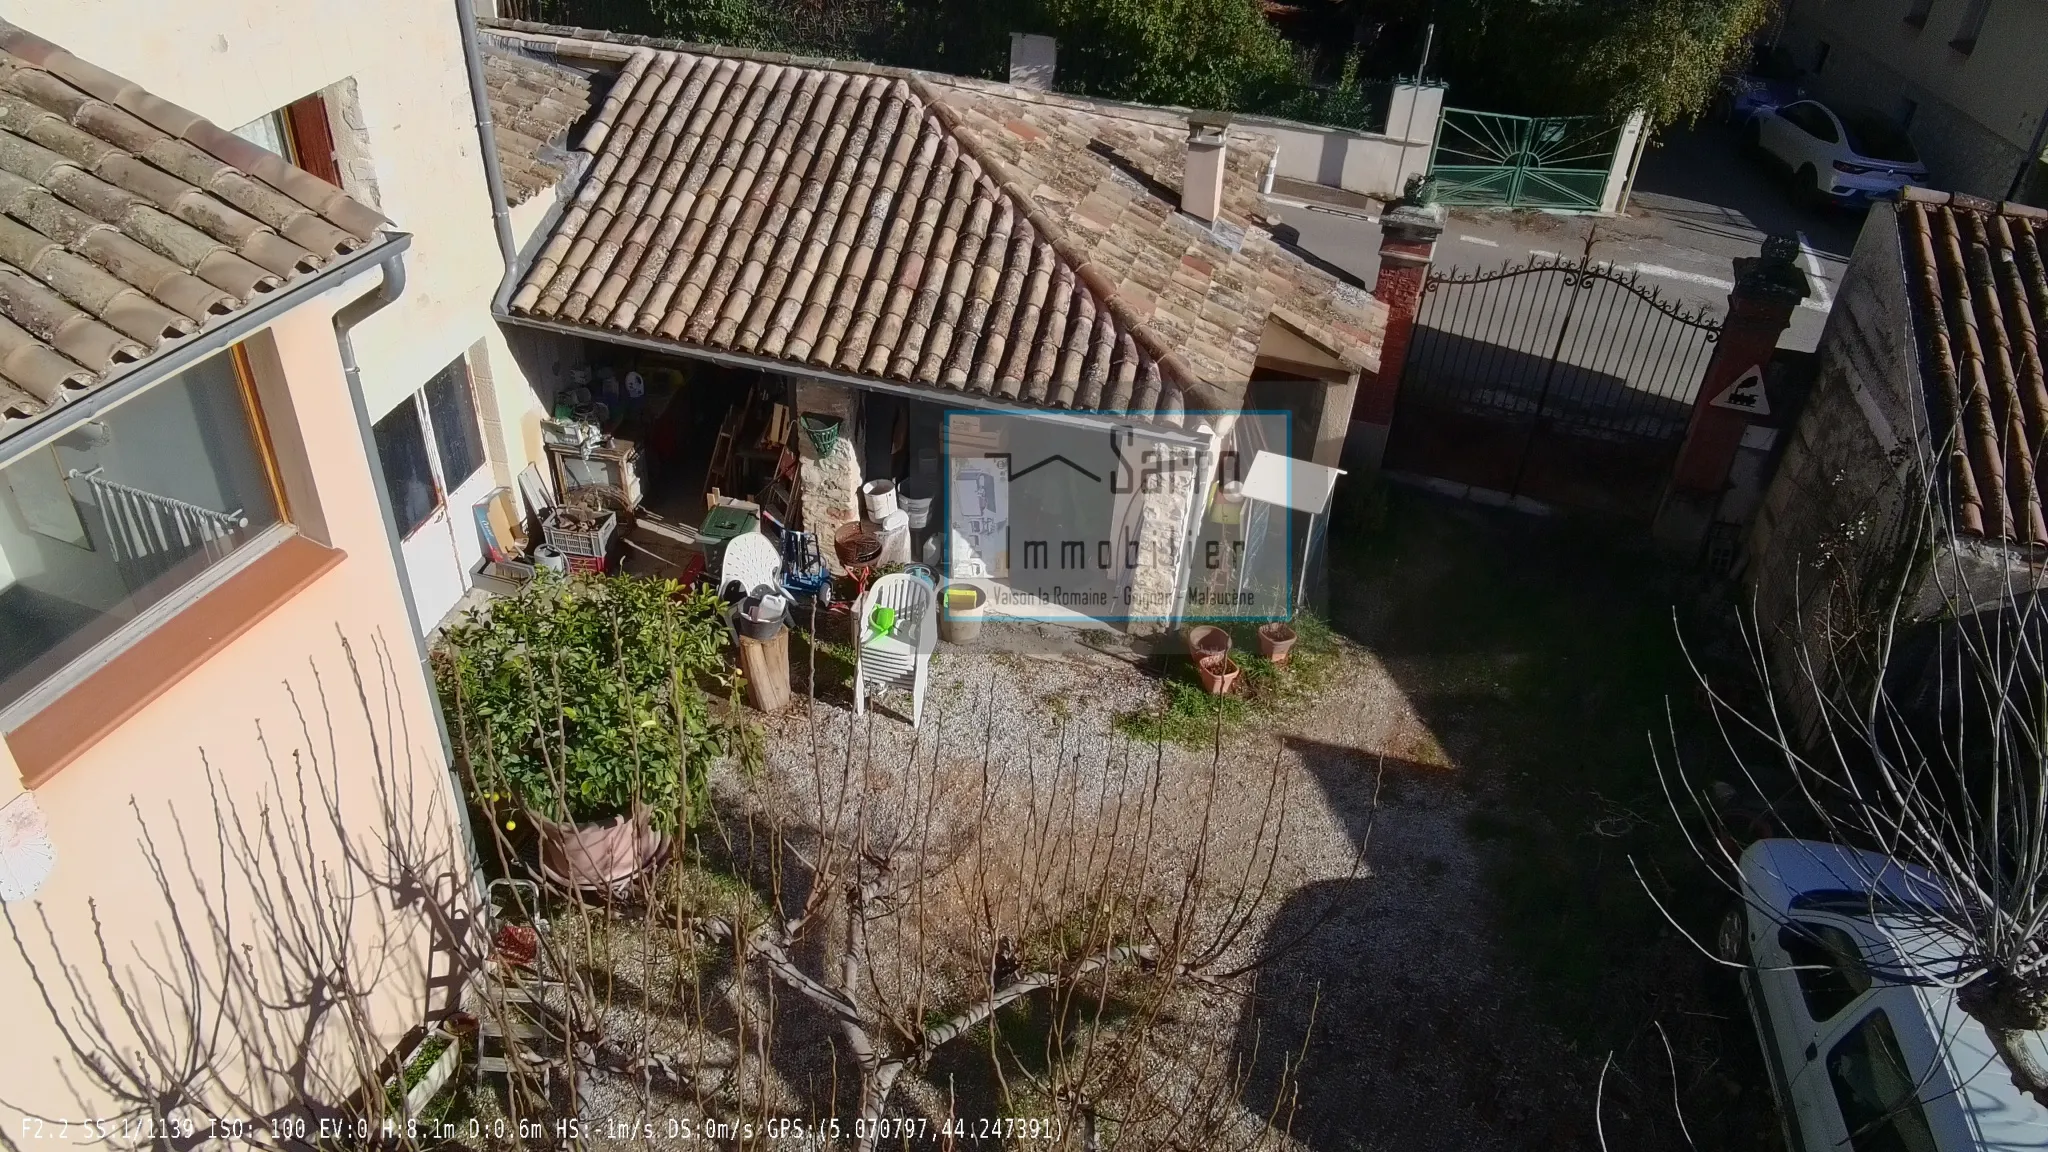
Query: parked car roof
<point x="1812" y="876"/>
<point x="1817" y="870"/>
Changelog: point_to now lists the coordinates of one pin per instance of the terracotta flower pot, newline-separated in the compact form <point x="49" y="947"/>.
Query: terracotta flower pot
<point x="1219" y="674"/>
<point x="598" y="854"/>
<point x="1206" y="640"/>
<point x="1275" y="641"/>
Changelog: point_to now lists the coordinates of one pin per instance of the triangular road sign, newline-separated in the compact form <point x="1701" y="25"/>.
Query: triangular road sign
<point x="1746" y="394"/>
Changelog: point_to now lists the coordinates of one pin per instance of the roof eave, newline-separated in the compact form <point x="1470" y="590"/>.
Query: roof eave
<point x="58" y="419"/>
<point x="975" y="401"/>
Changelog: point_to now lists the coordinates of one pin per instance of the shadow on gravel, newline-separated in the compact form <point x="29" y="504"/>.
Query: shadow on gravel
<point x="1464" y="993"/>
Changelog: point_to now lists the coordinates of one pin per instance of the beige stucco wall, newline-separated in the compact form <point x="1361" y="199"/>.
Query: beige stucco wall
<point x="278" y="706"/>
<point x="235" y="60"/>
<point x="1977" y="111"/>
<point x="1372" y="163"/>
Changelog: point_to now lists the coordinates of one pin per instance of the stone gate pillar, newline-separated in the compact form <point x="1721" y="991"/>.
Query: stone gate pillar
<point x="1408" y="234"/>
<point x="1767" y="289"/>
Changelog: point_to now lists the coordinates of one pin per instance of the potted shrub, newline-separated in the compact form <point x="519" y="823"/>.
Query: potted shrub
<point x="1219" y="674"/>
<point x="1206" y="640"/>
<point x="426" y="1070"/>
<point x="1275" y="641"/>
<point x="579" y="705"/>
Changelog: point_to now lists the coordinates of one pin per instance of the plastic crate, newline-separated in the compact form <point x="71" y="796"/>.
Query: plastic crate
<point x="575" y="543"/>
<point x="579" y="565"/>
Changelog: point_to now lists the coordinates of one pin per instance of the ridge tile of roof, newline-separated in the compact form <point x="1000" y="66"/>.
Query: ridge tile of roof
<point x="1979" y="283"/>
<point x="898" y="225"/>
<point x="128" y="224"/>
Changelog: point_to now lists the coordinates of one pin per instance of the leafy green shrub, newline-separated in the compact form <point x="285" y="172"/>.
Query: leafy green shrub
<point x="577" y="698"/>
<point x="1199" y="53"/>
<point x="1350" y="102"/>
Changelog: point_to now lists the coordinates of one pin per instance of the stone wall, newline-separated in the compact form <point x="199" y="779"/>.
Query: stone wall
<point x="1371" y="163"/>
<point x="1834" y="536"/>
<point x="1158" y="514"/>
<point x="831" y="483"/>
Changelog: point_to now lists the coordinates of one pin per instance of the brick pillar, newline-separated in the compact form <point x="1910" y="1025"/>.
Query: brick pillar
<point x="1767" y="289"/>
<point x="1407" y="244"/>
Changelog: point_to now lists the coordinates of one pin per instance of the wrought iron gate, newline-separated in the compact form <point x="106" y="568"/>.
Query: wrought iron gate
<point x="1492" y="160"/>
<point x="1567" y="382"/>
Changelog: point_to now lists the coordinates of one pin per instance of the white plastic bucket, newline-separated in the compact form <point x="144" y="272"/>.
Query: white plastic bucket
<point x="894" y="530"/>
<point x="919" y="511"/>
<point x="880" y="497"/>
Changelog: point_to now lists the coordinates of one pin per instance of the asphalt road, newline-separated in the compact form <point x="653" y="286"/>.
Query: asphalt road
<point x="1701" y="200"/>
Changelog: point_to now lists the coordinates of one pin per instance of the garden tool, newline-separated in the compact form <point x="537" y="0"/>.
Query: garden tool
<point x="882" y="623"/>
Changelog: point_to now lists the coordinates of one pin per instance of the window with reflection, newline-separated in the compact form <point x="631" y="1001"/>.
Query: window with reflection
<point x="125" y="511"/>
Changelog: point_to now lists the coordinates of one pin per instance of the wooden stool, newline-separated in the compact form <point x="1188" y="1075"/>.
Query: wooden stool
<point x="766" y="666"/>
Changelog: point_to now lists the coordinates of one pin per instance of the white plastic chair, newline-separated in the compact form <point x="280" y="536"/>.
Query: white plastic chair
<point x="902" y="657"/>
<point x="751" y="560"/>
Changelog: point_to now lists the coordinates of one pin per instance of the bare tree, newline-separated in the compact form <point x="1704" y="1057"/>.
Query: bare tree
<point x="922" y="942"/>
<point x="249" y="1014"/>
<point x="885" y="924"/>
<point x="1899" y="709"/>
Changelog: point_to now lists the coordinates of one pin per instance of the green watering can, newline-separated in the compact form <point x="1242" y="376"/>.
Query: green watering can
<point x="882" y="623"/>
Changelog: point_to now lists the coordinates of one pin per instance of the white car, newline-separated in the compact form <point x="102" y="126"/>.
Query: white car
<point x="1858" y="1061"/>
<point x="1842" y="157"/>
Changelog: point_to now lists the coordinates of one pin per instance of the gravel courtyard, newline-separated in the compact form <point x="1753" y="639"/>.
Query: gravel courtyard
<point x="1454" y="939"/>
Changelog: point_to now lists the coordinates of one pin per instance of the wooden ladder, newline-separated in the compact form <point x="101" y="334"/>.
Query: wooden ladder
<point x="718" y="474"/>
<point x="512" y="1022"/>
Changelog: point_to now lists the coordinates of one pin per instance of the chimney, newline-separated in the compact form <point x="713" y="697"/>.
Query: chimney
<point x="1032" y="59"/>
<point x="1201" y="192"/>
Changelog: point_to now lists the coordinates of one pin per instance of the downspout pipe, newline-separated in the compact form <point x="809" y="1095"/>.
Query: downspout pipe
<point x="387" y="292"/>
<point x="486" y="135"/>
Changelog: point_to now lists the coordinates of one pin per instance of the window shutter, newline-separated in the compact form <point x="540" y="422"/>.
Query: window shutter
<point x="313" y="138"/>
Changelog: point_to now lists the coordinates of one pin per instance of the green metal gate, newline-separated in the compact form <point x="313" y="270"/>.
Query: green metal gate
<point x="1487" y="159"/>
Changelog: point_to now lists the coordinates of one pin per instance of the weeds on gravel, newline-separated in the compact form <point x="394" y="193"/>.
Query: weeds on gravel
<point x="1191" y="717"/>
<point x="831" y="661"/>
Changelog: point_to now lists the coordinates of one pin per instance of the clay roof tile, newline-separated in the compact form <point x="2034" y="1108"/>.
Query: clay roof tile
<point x="1976" y="275"/>
<point x="900" y="226"/>
<point x="131" y="223"/>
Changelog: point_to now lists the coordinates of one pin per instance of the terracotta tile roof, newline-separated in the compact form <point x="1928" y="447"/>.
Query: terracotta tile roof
<point x="1977" y="275"/>
<point x="906" y="227"/>
<point x="1110" y="181"/>
<point x="128" y="223"/>
<point x="534" y="104"/>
